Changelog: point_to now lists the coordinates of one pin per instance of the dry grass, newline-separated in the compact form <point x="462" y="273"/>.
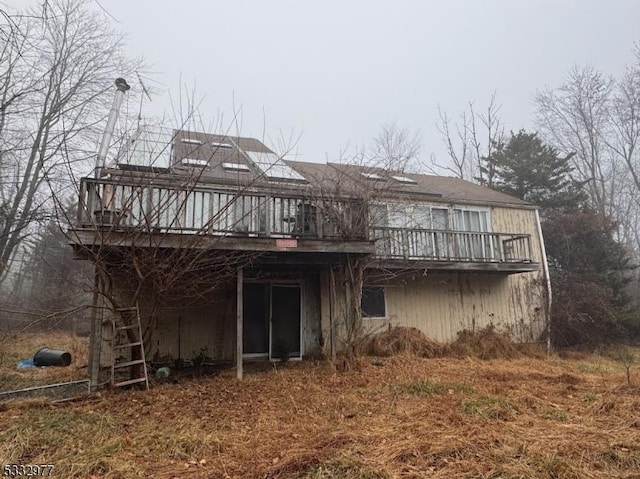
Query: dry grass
<point x="486" y="343"/>
<point x="398" y="416"/>
<point x="15" y="348"/>
<point x="400" y="340"/>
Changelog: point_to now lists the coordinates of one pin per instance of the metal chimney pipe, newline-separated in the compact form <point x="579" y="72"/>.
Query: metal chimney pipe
<point x="121" y="87"/>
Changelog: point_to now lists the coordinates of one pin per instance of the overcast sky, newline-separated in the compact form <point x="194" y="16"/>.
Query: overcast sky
<point x="335" y="71"/>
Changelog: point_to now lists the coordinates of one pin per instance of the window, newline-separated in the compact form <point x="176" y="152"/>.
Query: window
<point x="273" y="167"/>
<point x="439" y="218"/>
<point x="373" y="302"/>
<point x="378" y="215"/>
<point x="191" y="141"/>
<point x="471" y="220"/>
<point x="475" y="244"/>
<point x="429" y="231"/>
<point x="235" y="167"/>
<point x="217" y="144"/>
<point x="372" y="176"/>
<point x="194" y="162"/>
<point x="419" y="216"/>
<point x="404" y="179"/>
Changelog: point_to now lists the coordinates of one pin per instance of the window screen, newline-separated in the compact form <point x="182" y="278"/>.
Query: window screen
<point x="373" y="303"/>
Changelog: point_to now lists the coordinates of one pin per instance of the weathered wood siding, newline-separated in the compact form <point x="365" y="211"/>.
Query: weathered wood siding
<point x="512" y="220"/>
<point x="186" y="332"/>
<point x="210" y="326"/>
<point x="442" y="304"/>
<point x="311" y="310"/>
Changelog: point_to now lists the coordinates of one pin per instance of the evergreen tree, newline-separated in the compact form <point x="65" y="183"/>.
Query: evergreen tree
<point x="528" y="169"/>
<point x="590" y="271"/>
<point x="589" y="267"/>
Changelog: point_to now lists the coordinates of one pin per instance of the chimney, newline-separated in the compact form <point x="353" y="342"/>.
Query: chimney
<point x="121" y="87"/>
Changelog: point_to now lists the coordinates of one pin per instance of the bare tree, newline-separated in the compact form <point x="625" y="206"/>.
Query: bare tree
<point x="54" y="74"/>
<point x="395" y="148"/>
<point x="576" y="118"/>
<point x="457" y="145"/>
<point x="624" y="131"/>
<point x="598" y="118"/>
<point x="494" y="135"/>
<point x="470" y="141"/>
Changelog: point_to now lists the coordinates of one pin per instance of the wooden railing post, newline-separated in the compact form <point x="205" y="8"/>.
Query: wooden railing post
<point x="319" y="223"/>
<point x="267" y="216"/>
<point x="81" y="214"/>
<point x="268" y="213"/>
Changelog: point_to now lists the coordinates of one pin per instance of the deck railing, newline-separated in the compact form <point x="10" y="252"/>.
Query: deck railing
<point x="440" y="245"/>
<point x="123" y="206"/>
<point x="201" y="210"/>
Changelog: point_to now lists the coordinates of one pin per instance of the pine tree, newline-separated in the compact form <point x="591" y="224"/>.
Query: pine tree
<point x="589" y="267"/>
<point x="528" y="169"/>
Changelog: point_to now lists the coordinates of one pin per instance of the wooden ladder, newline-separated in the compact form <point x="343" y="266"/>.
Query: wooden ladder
<point x="127" y="336"/>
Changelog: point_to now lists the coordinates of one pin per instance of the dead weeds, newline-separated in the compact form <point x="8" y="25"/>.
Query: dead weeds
<point x="395" y="416"/>
<point x="484" y="344"/>
<point x="405" y="416"/>
<point x="399" y="340"/>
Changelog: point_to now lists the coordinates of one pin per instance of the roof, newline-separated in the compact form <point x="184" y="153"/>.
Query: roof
<point x="443" y="189"/>
<point x="241" y="160"/>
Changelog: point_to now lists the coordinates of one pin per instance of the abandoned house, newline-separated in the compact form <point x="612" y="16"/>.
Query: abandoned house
<point x="226" y="252"/>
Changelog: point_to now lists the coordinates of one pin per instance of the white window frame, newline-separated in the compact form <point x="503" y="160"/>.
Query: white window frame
<point x="472" y="209"/>
<point x="241" y="167"/>
<point x="191" y="141"/>
<point x="197" y="162"/>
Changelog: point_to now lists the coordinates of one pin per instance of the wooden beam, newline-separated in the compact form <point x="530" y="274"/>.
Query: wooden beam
<point x="462" y="266"/>
<point x="97" y="237"/>
<point x="239" y="321"/>
<point x="332" y="312"/>
<point x="95" y="334"/>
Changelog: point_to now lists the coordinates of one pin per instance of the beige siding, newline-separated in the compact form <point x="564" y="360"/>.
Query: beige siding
<point x="439" y="304"/>
<point x="511" y="220"/>
<point x="442" y="304"/>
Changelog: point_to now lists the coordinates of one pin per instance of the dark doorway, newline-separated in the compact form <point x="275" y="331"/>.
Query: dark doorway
<point x="285" y="321"/>
<point x="255" y="330"/>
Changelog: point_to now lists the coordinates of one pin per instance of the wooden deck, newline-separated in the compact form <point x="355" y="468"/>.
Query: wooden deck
<point x="129" y="213"/>
<point x="452" y="250"/>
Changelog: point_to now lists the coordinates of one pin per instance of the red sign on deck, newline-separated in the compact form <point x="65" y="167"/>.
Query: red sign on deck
<point x="287" y="243"/>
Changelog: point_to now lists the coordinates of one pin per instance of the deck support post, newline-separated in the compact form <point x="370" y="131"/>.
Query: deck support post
<point x="332" y="312"/>
<point x="239" y="321"/>
<point x="95" y="335"/>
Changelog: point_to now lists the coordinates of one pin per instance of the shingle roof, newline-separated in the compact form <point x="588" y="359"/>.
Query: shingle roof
<point x="438" y="188"/>
<point x="330" y="177"/>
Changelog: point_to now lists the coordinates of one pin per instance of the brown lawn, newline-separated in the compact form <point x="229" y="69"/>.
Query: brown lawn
<point x="401" y="416"/>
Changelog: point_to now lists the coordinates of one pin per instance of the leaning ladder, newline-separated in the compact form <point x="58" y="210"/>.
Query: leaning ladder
<point x="127" y="336"/>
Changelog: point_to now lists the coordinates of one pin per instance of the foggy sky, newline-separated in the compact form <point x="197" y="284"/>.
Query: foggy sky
<point x="334" y="71"/>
